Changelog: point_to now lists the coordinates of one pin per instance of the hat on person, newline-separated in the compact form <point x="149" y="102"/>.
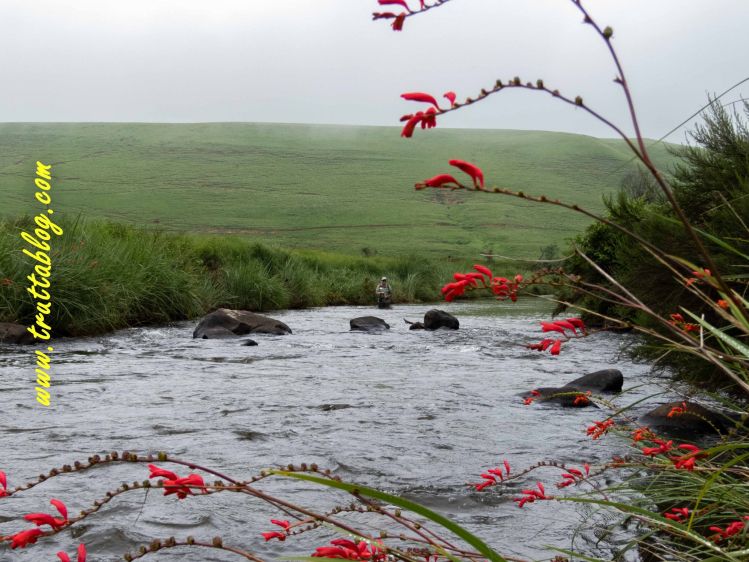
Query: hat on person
<point x="384" y="279"/>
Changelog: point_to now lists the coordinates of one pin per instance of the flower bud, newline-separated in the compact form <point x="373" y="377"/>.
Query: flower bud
<point x="608" y="32"/>
<point x="578" y="100"/>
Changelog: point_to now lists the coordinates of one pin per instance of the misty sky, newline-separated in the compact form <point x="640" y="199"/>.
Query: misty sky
<point x="325" y="61"/>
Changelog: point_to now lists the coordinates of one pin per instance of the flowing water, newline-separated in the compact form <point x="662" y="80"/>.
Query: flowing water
<point x="415" y="413"/>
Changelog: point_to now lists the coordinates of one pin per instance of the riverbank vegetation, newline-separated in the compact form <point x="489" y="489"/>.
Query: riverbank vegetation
<point x="109" y="275"/>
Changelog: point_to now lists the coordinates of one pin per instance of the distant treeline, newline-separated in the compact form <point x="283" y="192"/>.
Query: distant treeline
<point x="107" y="276"/>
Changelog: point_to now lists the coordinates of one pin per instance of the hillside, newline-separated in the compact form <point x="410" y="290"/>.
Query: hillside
<point x="337" y="188"/>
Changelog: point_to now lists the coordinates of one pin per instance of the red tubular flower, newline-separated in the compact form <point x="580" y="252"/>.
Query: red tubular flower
<point x="397" y="24"/>
<point x="281" y="523"/>
<point x="483" y="270"/>
<point x="529" y="496"/>
<point x="420" y="96"/>
<point x="274" y="535"/>
<point x="663" y="447"/>
<point x="732" y="529"/>
<point x="183" y="486"/>
<point x="440" y="180"/>
<point x="551" y="327"/>
<point x="349" y="550"/>
<point x="641" y="434"/>
<point x="581" y="400"/>
<point x="396" y="2"/>
<point x="472" y="170"/>
<point x="411" y="122"/>
<point x="678" y="514"/>
<point x="24" y="538"/>
<point x="678" y="410"/>
<point x="81" y="554"/>
<point x="40" y="519"/>
<point x="722" y="303"/>
<point x="556" y="348"/>
<point x="599" y="429"/>
<point x="4" y="484"/>
<point x="157" y="472"/>
<point x="566" y="325"/>
<point x="577" y="322"/>
<point x="450" y="97"/>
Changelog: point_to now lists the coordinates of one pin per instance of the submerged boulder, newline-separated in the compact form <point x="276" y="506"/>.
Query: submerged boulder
<point x="685" y="418"/>
<point x="436" y="319"/>
<point x="225" y="322"/>
<point x="573" y="394"/>
<point x="368" y="324"/>
<point x="15" y="333"/>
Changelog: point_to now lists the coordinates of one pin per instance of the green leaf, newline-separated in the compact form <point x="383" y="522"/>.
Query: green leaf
<point x="721" y="335"/>
<point x="403" y="503"/>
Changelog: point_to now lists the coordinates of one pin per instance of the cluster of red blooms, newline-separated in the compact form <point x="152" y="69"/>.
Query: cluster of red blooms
<point x="678" y="410"/>
<point x="642" y="434"/>
<point x="428" y="117"/>
<point x="561" y="326"/>
<point x="732" y="529"/>
<point x="349" y="550"/>
<point x="500" y="286"/>
<point x="4" y="484"/>
<point x="678" y="514"/>
<point x="493" y="476"/>
<point x="678" y="321"/>
<point x="685" y="461"/>
<point x="443" y="180"/>
<point x="398" y="19"/>
<point x="529" y="496"/>
<point x="573" y="476"/>
<point x="29" y="536"/>
<point x="173" y="484"/>
<point x="599" y="429"/>
<point x="285" y="525"/>
<point x="529" y="399"/>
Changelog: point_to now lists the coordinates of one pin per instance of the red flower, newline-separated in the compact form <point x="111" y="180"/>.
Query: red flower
<point x="4" y="484"/>
<point x="411" y="122"/>
<point x="678" y="514"/>
<point x="396" y="2"/>
<point x="641" y="434"/>
<point x="577" y="322"/>
<point x="183" y="486"/>
<point x="281" y="523"/>
<point x="581" y="399"/>
<point x="677" y="410"/>
<point x="599" y="429"/>
<point x="556" y="348"/>
<point x="40" y="519"/>
<point x="483" y="270"/>
<point x="157" y="472"/>
<point x="566" y="325"/>
<point x="663" y="447"/>
<point x="398" y="22"/>
<point x="732" y="529"/>
<point x="551" y="327"/>
<point x="420" y="96"/>
<point x="24" y="538"/>
<point x="472" y="170"/>
<point x="450" y="97"/>
<point x="440" y="180"/>
<point x="350" y="550"/>
<point x="81" y="555"/>
<point x="723" y="304"/>
<point x="529" y="496"/>
<point x="274" y="535"/>
<point x="687" y="461"/>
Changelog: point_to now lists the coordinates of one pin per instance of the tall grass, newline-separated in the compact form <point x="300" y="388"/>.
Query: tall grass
<point x="108" y="275"/>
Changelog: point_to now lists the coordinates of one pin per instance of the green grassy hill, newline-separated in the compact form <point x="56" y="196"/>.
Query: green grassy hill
<point x="336" y="188"/>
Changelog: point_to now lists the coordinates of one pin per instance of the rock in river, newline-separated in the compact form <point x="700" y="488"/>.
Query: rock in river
<point x="435" y="319"/>
<point x="687" y="419"/>
<point x="369" y="324"/>
<point x="605" y="381"/>
<point x="15" y="333"/>
<point x="224" y="323"/>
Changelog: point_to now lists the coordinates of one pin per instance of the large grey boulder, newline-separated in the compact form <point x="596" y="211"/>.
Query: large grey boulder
<point x="436" y="319"/>
<point x="15" y="333"/>
<point x="224" y="323"/>
<point x="606" y="380"/>
<point x="368" y="324"/>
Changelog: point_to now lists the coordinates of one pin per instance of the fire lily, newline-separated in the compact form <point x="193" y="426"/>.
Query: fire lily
<point x="529" y="496"/>
<point x="678" y="514"/>
<point x="350" y="550"/>
<point x="599" y="429"/>
<point x="663" y="447"/>
<point x="24" y="538"/>
<point x="422" y="97"/>
<point x="472" y="170"/>
<point x="81" y="555"/>
<point x="40" y="519"/>
<point x="4" y="484"/>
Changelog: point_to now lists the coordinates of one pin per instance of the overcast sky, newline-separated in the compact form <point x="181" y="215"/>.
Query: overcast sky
<point x="325" y="61"/>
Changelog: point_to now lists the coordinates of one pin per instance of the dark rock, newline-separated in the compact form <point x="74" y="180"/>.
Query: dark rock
<point x="228" y="323"/>
<point x="249" y="342"/>
<point x="435" y="319"/>
<point x="15" y="333"/>
<point x="694" y="419"/>
<point x="607" y="380"/>
<point x="368" y="324"/>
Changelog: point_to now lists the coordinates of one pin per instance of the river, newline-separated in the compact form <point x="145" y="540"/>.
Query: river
<point x="415" y="413"/>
